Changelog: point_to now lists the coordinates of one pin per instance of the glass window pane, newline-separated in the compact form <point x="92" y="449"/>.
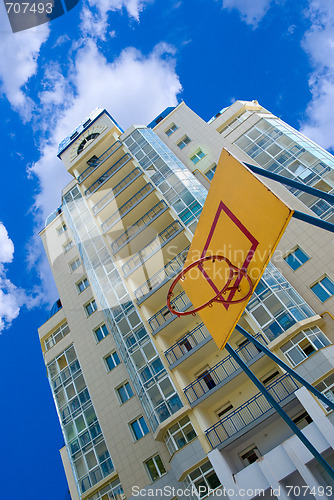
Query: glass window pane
<point x="320" y="292"/>
<point x="143" y="425"/>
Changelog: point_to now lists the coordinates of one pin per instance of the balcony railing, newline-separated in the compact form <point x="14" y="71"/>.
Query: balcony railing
<point x="153" y="246"/>
<point x="119" y="188"/>
<point x="127" y="207"/>
<point x="104" y="156"/>
<point x="250" y="411"/>
<point x="187" y="343"/>
<point x="162" y="276"/>
<point x="108" y="174"/>
<point x="159" y="319"/>
<point x="138" y="226"/>
<point x="221" y="371"/>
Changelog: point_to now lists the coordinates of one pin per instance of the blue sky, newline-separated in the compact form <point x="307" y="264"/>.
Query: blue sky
<point x="133" y="57"/>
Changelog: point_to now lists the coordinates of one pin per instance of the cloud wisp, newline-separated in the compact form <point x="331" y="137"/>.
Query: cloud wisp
<point x="134" y="88"/>
<point x="318" y="43"/>
<point x="251" y="11"/>
<point x="12" y="298"/>
<point x="18" y="62"/>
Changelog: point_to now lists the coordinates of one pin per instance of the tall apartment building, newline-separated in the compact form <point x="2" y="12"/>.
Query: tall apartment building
<point x="146" y="400"/>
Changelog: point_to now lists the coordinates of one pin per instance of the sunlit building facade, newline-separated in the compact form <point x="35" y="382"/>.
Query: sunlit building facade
<point x="146" y="401"/>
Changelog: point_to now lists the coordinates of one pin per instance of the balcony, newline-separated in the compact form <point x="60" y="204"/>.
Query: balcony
<point x="138" y="226"/>
<point x="127" y="207"/>
<point x="108" y="174"/>
<point x="218" y="375"/>
<point x="163" y="317"/>
<point x="187" y="344"/>
<point x="118" y="189"/>
<point x="250" y="413"/>
<point x="161" y="277"/>
<point x="152" y="247"/>
<point x="101" y="159"/>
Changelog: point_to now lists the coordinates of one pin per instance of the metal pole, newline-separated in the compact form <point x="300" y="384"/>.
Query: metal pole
<point x="280" y="411"/>
<point x="291" y="182"/>
<point x="287" y="368"/>
<point x="315" y="221"/>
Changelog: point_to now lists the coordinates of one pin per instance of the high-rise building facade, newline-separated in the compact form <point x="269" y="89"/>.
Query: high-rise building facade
<point x="147" y="403"/>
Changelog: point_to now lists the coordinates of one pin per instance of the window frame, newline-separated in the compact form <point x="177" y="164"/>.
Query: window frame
<point x="319" y="282"/>
<point x="98" y="328"/>
<point x="170" y="436"/>
<point x="84" y="278"/>
<point x="112" y="355"/>
<point x="244" y="459"/>
<point x="61" y="229"/>
<point x="329" y="388"/>
<point x="197" y="156"/>
<point x="314" y="330"/>
<point x="224" y="410"/>
<point x="202" y="474"/>
<point x="123" y="385"/>
<point x="59" y="330"/>
<point x="210" y="171"/>
<point x="139" y="419"/>
<point x="67" y="246"/>
<point x="90" y="303"/>
<point x="183" y="142"/>
<point x="171" y="129"/>
<point x="154" y="461"/>
<point x="76" y="260"/>
<point x="295" y="257"/>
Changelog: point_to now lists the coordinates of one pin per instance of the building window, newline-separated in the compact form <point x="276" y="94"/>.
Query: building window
<point x="90" y="307"/>
<point x="250" y="455"/>
<point x="75" y="264"/>
<point x="302" y="420"/>
<point x="226" y="408"/>
<point x="112" y="360"/>
<point x="296" y="258"/>
<point x="139" y="428"/>
<point x="323" y="289"/>
<point x="205" y="379"/>
<point x="203" y="480"/>
<point x="101" y="332"/>
<point x="92" y="160"/>
<point x="197" y="156"/>
<point x="171" y="129"/>
<point x="211" y="172"/>
<point x="82" y="284"/>
<point x="56" y="336"/>
<point x="61" y="229"/>
<point x="113" y="491"/>
<point x="304" y="344"/>
<point x="68" y="245"/>
<point x="124" y="392"/>
<point x="270" y="377"/>
<point x="179" y="435"/>
<point x="182" y="144"/>
<point x="155" y="467"/>
<point x="327" y="388"/>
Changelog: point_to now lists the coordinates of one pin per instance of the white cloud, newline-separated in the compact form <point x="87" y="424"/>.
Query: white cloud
<point x="133" y="7"/>
<point x="10" y="295"/>
<point x="6" y="246"/>
<point x="94" y="15"/>
<point x="18" y="61"/>
<point x="134" y="89"/>
<point x="319" y="45"/>
<point x="251" y="11"/>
